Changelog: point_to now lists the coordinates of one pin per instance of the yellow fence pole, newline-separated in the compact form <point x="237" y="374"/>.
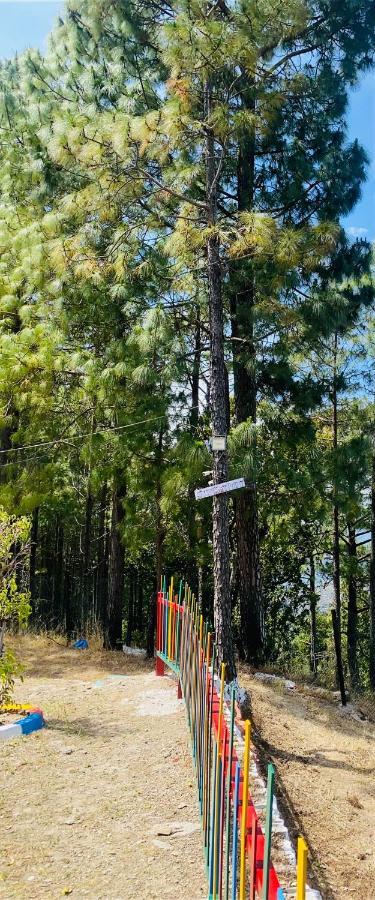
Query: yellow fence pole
<point x="301" y="868"/>
<point x="245" y="792"/>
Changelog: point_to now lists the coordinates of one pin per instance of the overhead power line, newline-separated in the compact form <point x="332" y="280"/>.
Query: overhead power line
<point x="83" y="434"/>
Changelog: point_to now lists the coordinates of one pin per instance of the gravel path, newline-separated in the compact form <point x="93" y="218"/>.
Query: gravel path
<point x="102" y="803"/>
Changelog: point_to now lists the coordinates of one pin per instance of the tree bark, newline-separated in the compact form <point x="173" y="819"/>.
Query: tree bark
<point x="352" y="636"/>
<point x="33" y="556"/>
<point x="200" y="586"/>
<point x="339" y="668"/>
<point x="102" y="560"/>
<point x="131" y="608"/>
<point x="242" y="303"/>
<point x="58" y="576"/>
<point x="313" y="604"/>
<point x="192" y="515"/>
<point x="87" y="534"/>
<point x="221" y="550"/>
<point x="139" y="604"/>
<point x="87" y="595"/>
<point x="159" y="550"/>
<point x="48" y="612"/>
<point x="115" y="605"/>
<point x="194" y="413"/>
<point x="337" y="564"/>
<point x="372" y="580"/>
<point x="69" y="618"/>
<point x="248" y="576"/>
<point x="336" y="524"/>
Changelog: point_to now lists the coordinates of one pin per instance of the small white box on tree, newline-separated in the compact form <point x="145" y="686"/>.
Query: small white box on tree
<point x="219" y="442"/>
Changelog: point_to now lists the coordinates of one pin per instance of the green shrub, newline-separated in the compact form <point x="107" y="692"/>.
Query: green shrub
<point x="14" y="602"/>
<point x="10" y="669"/>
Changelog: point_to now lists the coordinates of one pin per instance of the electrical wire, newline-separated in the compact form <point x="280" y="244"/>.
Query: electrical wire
<point x="83" y="434"/>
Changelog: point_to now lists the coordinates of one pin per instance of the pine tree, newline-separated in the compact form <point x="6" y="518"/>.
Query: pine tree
<point x="179" y="174"/>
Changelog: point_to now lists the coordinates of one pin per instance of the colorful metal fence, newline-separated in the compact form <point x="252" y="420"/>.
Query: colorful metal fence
<point x="237" y="850"/>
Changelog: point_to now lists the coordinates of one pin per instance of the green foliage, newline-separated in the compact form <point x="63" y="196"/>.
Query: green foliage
<point x="10" y="669"/>
<point x="14" y="602"/>
<point x="104" y="324"/>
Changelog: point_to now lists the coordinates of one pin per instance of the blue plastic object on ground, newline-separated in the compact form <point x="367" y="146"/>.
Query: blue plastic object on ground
<point x="82" y="644"/>
<point x="31" y="723"/>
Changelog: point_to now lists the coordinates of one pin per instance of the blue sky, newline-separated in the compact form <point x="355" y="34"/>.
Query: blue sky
<point x="26" y="23"/>
<point x="361" y="122"/>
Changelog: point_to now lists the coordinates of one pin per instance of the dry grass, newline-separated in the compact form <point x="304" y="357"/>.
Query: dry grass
<point x="325" y="763"/>
<point x="47" y="653"/>
<point x="366" y="706"/>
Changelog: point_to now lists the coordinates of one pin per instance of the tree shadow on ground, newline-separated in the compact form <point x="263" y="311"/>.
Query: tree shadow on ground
<point x="317" y="758"/>
<point x="83" y="727"/>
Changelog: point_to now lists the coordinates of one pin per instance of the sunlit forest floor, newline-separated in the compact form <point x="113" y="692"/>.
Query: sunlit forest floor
<point x="325" y="764"/>
<point x="102" y="803"/>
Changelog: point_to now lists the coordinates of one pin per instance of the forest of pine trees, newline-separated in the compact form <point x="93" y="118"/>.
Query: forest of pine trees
<point x="173" y="266"/>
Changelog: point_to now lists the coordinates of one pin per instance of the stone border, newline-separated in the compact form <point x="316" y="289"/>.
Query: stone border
<point x="32" y="721"/>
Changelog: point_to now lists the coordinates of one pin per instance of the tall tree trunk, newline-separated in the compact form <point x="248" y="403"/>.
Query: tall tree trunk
<point x="372" y="580"/>
<point x="33" y="556"/>
<point x="194" y="413"/>
<point x="159" y="549"/>
<point x="313" y="605"/>
<point x="337" y="564"/>
<point x="86" y="550"/>
<point x="248" y="576"/>
<point x="352" y="637"/>
<point x="58" y="575"/>
<point x="50" y="559"/>
<point x="242" y="303"/>
<point x="200" y="586"/>
<point x="139" y="605"/>
<point x="221" y="550"/>
<point x="102" y="560"/>
<point x="87" y="534"/>
<point x="68" y="606"/>
<point x="159" y="555"/>
<point x="131" y="607"/>
<point x="193" y="515"/>
<point x="336" y="523"/>
<point x="115" y="606"/>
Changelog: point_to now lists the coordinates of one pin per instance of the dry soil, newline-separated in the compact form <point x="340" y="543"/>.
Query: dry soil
<point x="102" y="803"/>
<point x="325" y="764"/>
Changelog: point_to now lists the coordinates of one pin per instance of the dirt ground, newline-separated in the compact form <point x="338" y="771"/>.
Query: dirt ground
<point x="325" y="764"/>
<point x="102" y="803"/>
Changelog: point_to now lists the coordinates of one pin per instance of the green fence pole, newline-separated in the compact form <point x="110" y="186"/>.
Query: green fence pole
<point x="268" y="832"/>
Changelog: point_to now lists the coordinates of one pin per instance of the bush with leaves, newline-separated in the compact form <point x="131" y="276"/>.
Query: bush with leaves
<point x="14" y="602"/>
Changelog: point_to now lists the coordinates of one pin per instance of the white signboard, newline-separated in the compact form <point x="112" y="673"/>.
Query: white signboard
<point x="222" y="488"/>
<point x="218" y="442"/>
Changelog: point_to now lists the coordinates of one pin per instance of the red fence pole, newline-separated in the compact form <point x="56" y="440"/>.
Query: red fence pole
<point x="159" y="665"/>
